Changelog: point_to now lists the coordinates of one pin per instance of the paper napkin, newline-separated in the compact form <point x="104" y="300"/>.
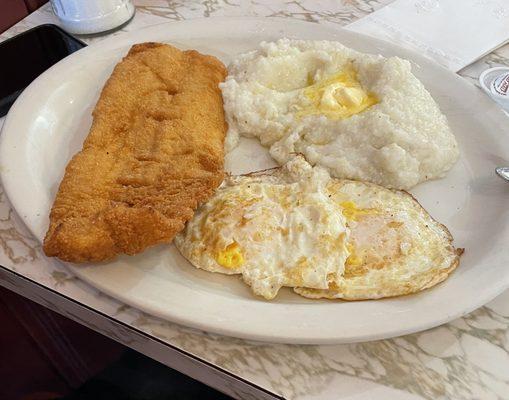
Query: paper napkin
<point x="454" y="33"/>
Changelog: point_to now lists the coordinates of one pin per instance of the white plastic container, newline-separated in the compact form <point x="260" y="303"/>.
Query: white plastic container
<point x="495" y="82"/>
<point x="92" y="16"/>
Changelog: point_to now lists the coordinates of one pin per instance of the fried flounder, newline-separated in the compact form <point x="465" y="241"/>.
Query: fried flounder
<point x="153" y="154"/>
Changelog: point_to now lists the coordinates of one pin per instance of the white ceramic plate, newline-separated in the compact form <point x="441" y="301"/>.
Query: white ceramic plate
<point x="49" y="121"/>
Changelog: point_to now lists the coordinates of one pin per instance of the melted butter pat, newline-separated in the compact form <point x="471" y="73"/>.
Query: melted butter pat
<point x="338" y="97"/>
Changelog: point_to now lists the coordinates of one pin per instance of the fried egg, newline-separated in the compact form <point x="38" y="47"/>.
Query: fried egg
<point x="395" y="247"/>
<point x="275" y="228"/>
<point x="327" y="238"/>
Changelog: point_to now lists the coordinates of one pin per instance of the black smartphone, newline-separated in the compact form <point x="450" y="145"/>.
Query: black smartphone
<point x="27" y="55"/>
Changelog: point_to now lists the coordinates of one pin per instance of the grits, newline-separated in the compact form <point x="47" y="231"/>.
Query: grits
<point x="360" y="116"/>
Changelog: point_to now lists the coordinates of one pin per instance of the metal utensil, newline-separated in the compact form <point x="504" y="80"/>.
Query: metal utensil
<point x="503" y="172"/>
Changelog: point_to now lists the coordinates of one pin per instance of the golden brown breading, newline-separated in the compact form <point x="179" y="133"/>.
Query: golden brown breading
<point x="153" y="154"/>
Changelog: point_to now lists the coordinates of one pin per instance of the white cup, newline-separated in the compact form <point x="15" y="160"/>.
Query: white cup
<point x="92" y="16"/>
<point x="495" y="82"/>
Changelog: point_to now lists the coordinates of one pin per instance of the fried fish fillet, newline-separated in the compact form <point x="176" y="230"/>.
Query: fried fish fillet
<point x="153" y="154"/>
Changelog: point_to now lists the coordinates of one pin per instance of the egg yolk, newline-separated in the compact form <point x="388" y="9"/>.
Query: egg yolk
<point x="338" y="97"/>
<point x="352" y="213"/>
<point x="231" y="256"/>
<point x="353" y="259"/>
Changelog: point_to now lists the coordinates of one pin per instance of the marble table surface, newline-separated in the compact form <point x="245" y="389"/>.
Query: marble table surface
<point x="465" y="359"/>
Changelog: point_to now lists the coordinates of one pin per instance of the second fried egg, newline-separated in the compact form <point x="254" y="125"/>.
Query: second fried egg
<point x="395" y="247"/>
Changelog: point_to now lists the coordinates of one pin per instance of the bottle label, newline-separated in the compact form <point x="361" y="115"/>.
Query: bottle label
<point x="501" y="84"/>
